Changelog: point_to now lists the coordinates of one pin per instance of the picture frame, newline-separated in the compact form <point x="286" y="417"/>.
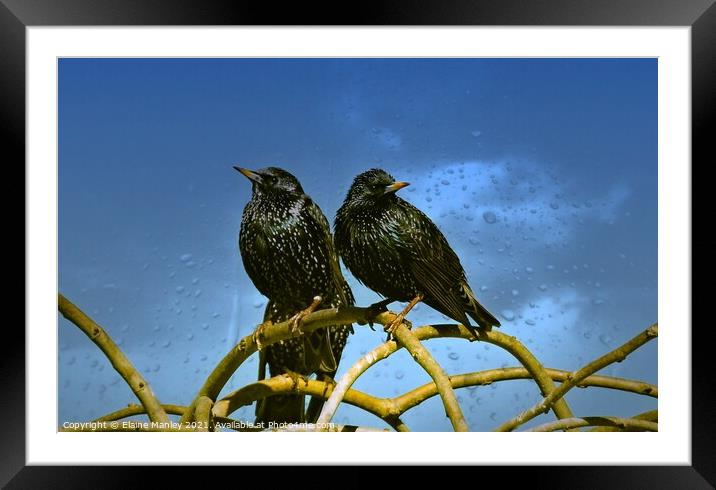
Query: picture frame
<point x="16" y="16"/>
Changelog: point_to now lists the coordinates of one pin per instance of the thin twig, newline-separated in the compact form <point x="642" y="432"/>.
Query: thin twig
<point x="119" y="361"/>
<point x="283" y="384"/>
<point x="510" y="344"/>
<point x="415" y="397"/>
<point x="651" y="416"/>
<point x="389" y="408"/>
<point x="407" y="339"/>
<point x="617" y="355"/>
<point x="629" y="425"/>
<point x="340" y="390"/>
<point x="272" y="333"/>
<point x="134" y="409"/>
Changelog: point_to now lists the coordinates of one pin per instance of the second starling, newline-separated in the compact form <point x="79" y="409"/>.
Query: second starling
<point x="396" y="250"/>
<point x="287" y="251"/>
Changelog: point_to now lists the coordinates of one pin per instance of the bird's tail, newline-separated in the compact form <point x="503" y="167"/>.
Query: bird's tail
<point x="479" y="313"/>
<point x="281" y="409"/>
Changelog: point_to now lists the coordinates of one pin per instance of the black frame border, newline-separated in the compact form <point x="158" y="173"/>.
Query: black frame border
<point x="16" y="15"/>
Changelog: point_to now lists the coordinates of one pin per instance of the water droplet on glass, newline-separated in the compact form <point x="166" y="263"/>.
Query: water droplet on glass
<point x="508" y="315"/>
<point x="489" y="217"/>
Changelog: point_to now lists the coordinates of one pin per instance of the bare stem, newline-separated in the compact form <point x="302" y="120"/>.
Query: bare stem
<point x="442" y="383"/>
<point x="617" y="355"/>
<point x="119" y="361"/>
<point x="389" y="409"/>
<point x="511" y="344"/>
<point x="134" y="409"/>
<point x="415" y="397"/>
<point x="651" y="416"/>
<point x="202" y="414"/>
<point x="629" y="425"/>
<point x="270" y="334"/>
<point x="204" y="410"/>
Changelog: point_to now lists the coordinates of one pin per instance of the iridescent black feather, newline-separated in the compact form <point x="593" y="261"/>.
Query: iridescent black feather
<point x="396" y="250"/>
<point x="287" y="250"/>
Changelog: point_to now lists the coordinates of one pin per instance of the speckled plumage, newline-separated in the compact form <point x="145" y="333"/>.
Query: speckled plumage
<point x="287" y="250"/>
<point x="396" y="250"/>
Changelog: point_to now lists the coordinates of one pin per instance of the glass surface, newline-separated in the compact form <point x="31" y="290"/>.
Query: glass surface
<point x="541" y="173"/>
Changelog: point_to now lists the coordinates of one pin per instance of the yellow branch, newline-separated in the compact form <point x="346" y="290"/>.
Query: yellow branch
<point x="651" y="416"/>
<point x="202" y="414"/>
<point x="270" y="334"/>
<point x="407" y="339"/>
<point x="119" y="361"/>
<point x="389" y="409"/>
<point x="617" y="355"/>
<point x="510" y="344"/>
<point x="628" y="425"/>
<point x="415" y="397"/>
<point x="134" y="409"/>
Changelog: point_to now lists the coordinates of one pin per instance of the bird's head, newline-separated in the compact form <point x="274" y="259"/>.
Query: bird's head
<point x="272" y="180"/>
<point x="373" y="187"/>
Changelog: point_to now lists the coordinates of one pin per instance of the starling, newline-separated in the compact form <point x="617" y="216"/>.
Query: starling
<point x="287" y="250"/>
<point x="396" y="250"/>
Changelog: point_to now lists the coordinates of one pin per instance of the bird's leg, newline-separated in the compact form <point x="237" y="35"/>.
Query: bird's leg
<point x="376" y="309"/>
<point x="390" y="328"/>
<point x="296" y="319"/>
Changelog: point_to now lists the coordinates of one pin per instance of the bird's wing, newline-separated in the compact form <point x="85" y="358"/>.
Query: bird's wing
<point x="435" y="266"/>
<point x="254" y="251"/>
<point x="341" y="286"/>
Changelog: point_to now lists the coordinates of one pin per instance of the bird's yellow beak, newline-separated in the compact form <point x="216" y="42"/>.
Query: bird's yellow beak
<point x="396" y="186"/>
<point x="249" y="174"/>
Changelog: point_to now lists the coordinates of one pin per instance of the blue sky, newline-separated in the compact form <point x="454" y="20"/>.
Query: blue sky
<point x="542" y="174"/>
